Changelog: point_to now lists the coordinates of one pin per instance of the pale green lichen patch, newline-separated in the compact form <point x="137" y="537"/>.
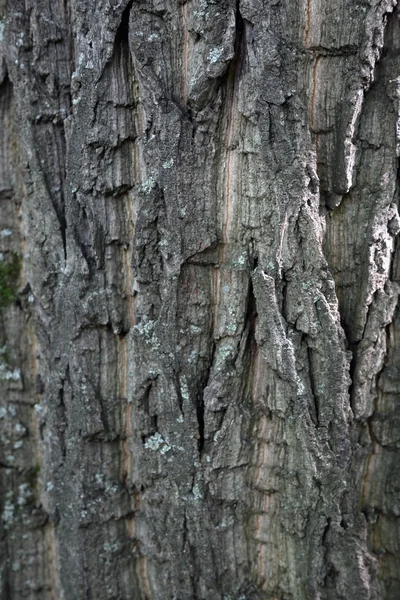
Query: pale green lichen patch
<point x="185" y="389"/>
<point x="148" y="185"/>
<point x="193" y="356"/>
<point x="156" y="442"/>
<point x="7" y="373"/>
<point x="168" y="163"/>
<point x="197" y="493"/>
<point x="8" y="511"/>
<point x="224" y="353"/>
<point x="215" y="54"/>
<point x="146" y="329"/>
<point x="24" y="494"/>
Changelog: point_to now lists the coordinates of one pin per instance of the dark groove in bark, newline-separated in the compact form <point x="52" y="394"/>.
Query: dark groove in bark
<point x="251" y="315"/>
<point x="352" y="372"/>
<point x="200" y="408"/>
<point x="200" y="421"/>
<point x="314" y="410"/>
<point x="284" y="295"/>
<point x="232" y="75"/>
<point x="63" y="423"/>
<point x="122" y="34"/>
<point x="59" y="207"/>
<point x="179" y="393"/>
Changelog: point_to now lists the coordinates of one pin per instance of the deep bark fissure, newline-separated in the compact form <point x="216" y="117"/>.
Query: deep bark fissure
<point x="63" y="421"/>
<point x="200" y="406"/>
<point x="122" y="34"/>
<point x="314" y="412"/>
<point x="200" y="421"/>
<point x="250" y="319"/>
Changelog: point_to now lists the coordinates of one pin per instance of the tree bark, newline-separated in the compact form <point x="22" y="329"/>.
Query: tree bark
<point x="199" y="274"/>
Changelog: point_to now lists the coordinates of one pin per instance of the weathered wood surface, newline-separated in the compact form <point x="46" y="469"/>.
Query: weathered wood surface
<point x="200" y="361"/>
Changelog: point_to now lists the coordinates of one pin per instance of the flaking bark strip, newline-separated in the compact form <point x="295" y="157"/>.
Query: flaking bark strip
<point x="270" y="333"/>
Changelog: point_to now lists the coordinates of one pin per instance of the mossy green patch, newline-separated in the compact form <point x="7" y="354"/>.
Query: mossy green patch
<point x="9" y="275"/>
<point x="32" y="475"/>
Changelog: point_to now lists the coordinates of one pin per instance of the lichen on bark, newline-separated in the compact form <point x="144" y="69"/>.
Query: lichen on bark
<point x="205" y="199"/>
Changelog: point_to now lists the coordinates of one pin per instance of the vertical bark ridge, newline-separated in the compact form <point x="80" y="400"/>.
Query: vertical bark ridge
<point x="366" y="288"/>
<point x="22" y="515"/>
<point x="185" y="58"/>
<point x="307" y="30"/>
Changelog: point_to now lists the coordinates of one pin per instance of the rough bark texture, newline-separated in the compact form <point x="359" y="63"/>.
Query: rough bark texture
<point x="199" y="333"/>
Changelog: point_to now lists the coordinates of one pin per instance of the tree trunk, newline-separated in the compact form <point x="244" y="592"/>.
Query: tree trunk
<point x="199" y="331"/>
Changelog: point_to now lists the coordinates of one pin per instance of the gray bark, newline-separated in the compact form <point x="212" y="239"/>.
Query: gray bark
<point x="199" y="274"/>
